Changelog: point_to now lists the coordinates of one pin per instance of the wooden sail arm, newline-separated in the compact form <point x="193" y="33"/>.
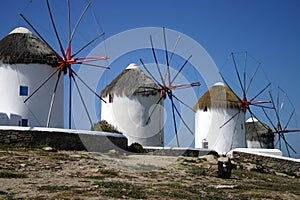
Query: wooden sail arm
<point x="184" y="86"/>
<point x="286" y="131"/>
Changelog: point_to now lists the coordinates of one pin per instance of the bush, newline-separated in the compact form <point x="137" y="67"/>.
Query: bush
<point x="105" y="126"/>
<point x="136" y="148"/>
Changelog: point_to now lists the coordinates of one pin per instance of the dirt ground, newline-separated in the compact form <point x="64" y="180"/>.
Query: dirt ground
<point x="34" y="173"/>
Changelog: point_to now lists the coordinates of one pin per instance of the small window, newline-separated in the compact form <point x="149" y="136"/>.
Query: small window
<point x="110" y="100"/>
<point x="24" y="122"/>
<point x="205" y="109"/>
<point x="23" y="90"/>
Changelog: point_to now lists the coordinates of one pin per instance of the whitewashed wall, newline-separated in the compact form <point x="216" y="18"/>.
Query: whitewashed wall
<point x="222" y="140"/>
<point x="130" y="114"/>
<point x="36" y="109"/>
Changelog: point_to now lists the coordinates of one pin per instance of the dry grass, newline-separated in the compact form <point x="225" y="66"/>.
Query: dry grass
<point x="83" y="175"/>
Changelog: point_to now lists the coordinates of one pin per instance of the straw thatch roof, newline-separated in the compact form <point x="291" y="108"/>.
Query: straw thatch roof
<point x="24" y="47"/>
<point x="254" y="127"/>
<point x="131" y="81"/>
<point x="218" y="96"/>
<point x="259" y="132"/>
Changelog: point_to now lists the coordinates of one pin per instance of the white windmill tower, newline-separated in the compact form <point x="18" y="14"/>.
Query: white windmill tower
<point x="217" y="124"/>
<point x="130" y="99"/>
<point x="25" y="62"/>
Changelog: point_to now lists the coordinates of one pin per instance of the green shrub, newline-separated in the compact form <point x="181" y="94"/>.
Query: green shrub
<point x="136" y="148"/>
<point x="105" y="126"/>
<point x="11" y="175"/>
<point x="121" y="189"/>
<point x="55" y="188"/>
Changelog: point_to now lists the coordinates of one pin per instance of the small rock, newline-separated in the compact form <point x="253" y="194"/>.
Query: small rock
<point x="22" y="165"/>
<point x="206" y="165"/>
<point x="225" y="186"/>
<point x="93" y="170"/>
<point x="49" y="149"/>
<point x="75" y="156"/>
<point x="210" y="158"/>
<point x="281" y="174"/>
<point x="112" y="152"/>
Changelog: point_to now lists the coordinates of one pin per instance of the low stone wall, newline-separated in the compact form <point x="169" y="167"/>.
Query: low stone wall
<point x="64" y="140"/>
<point x="287" y="165"/>
<point x="190" y="152"/>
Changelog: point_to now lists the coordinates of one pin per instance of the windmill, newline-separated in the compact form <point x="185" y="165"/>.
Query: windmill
<point x="66" y="59"/>
<point x="166" y="85"/>
<point x="244" y="89"/>
<point x="284" y="114"/>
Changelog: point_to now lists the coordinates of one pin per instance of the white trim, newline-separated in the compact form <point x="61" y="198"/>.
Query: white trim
<point x="71" y="131"/>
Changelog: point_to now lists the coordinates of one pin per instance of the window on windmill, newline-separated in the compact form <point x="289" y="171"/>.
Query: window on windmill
<point x="24" y="122"/>
<point x="110" y="98"/>
<point x="205" y="109"/>
<point x="23" y="90"/>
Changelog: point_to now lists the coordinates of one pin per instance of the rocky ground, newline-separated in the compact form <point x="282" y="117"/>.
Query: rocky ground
<point x="34" y="173"/>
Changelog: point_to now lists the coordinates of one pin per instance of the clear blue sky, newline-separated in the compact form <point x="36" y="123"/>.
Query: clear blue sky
<point x="268" y="29"/>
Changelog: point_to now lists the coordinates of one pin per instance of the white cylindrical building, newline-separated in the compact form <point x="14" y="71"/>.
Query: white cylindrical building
<point x="25" y="63"/>
<point x="219" y="120"/>
<point x="130" y="100"/>
<point x="259" y="135"/>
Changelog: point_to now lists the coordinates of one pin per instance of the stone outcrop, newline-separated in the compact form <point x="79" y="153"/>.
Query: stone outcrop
<point x="267" y="164"/>
<point x="68" y="140"/>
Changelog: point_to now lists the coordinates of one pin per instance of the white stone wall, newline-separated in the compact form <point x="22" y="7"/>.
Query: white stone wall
<point x="130" y="114"/>
<point x="36" y="109"/>
<point x="222" y="140"/>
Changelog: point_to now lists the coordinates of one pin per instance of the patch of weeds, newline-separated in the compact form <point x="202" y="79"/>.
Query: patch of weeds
<point x="189" y="160"/>
<point x="147" y="167"/>
<point x="289" y="173"/>
<point x="42" y="153"/>
<point x="110" y="173"/>
<point x="12" y="175"/>
<point x="95" y="177"/>
<point x="136" y="148"/>
<point x="174" y="194"/>
<point x="181" y="191"/>
<point x="213" y="193"/>
<point x="64" y="157"/>
<point x="14" y="147"/>
<point x="52" y="188"/>
<point x="84" y="181"/>
<point x="242" y="174"/>
<point x="105" y="126"/>
<point x="119" y="189"/>
<point x="246" y="187"/>
<point x="5" y="147"/>
<point x="196" y="171"/>
<point x="57" y="156"/>
<point x="80" y="192"/>
<point x="254" y="196"/>
<point x="288" y="187"/>
<point x="150" y="174"/>
<point x="3" y="193"/>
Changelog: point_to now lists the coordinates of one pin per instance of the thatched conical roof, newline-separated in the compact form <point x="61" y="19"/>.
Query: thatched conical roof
<point x="258" y="134"/>
<point x="131" y="81"/>
<point x="254" y="127"/>
<point x="21" y="46"/>
<point x="218" y="96"/>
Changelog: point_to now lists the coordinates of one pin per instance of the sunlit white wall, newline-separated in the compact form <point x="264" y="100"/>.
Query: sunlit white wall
<point x="37" y="107"/>
<point x="130" y="114"/>
<point x="208" y="126"/>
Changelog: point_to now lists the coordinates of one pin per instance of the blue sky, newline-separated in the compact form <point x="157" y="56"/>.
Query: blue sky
<point x="268" y="29"/>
